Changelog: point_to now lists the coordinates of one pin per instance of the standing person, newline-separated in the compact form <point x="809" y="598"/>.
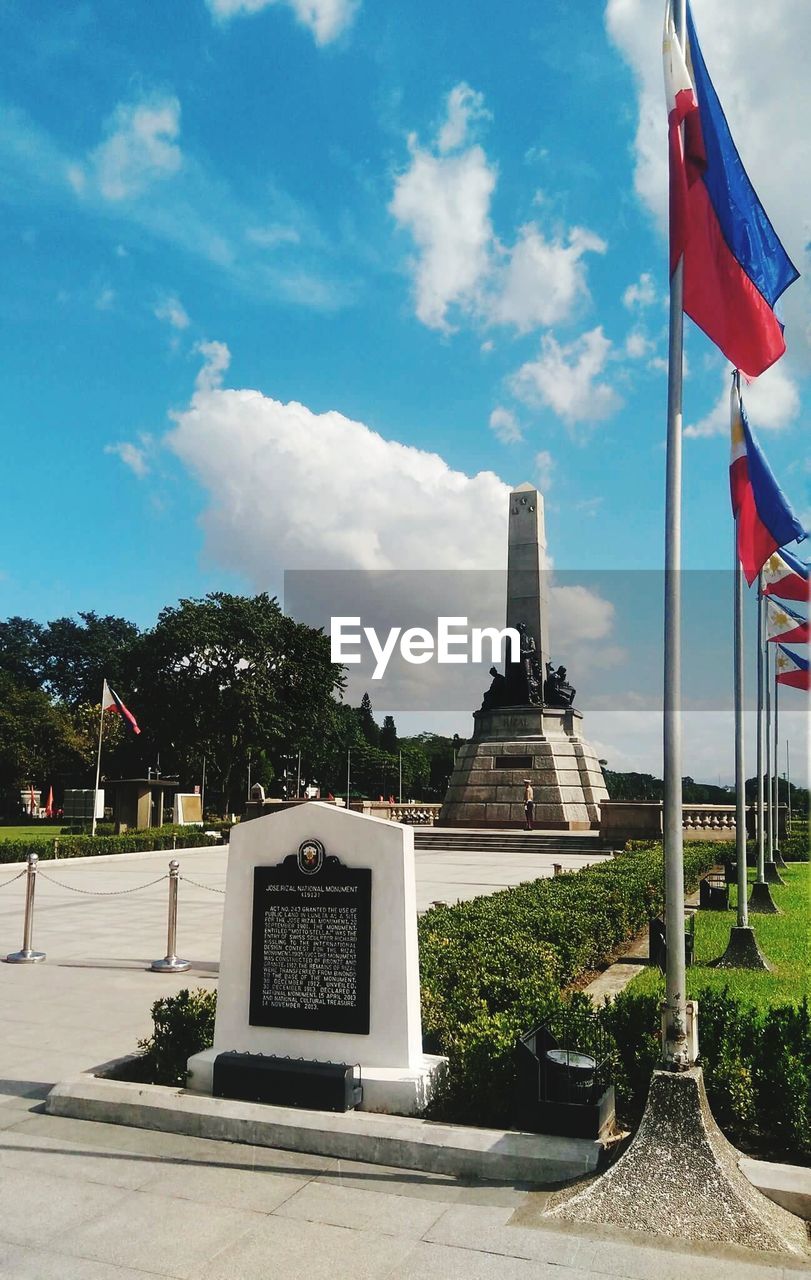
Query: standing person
<point x="529" y="803"/>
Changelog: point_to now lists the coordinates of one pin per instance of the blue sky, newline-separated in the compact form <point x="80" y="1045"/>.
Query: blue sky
<point x="262" y="261"/>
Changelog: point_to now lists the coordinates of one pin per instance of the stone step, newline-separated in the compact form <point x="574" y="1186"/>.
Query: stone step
<point x="451" y="839"/>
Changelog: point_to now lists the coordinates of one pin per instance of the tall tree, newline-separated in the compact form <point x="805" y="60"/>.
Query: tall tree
<point x="388" y="735"/>
<point x="76" y="657"/>
<point x="37" y="740"/>
<point x="21" y="652"/>
<point x="369" y="726"/>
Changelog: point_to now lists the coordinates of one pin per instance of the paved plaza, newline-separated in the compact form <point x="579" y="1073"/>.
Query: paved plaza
<point x="88" y="1201"/>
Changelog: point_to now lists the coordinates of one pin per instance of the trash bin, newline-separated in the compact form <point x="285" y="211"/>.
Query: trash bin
<point x="569" y="1075"/>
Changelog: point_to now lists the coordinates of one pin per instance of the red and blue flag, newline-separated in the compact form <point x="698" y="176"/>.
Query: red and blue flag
<point x="764" y="518"/>
<point x="784" y="625"/>
<point x="786" y="576"/>
<point x="735" y="268"/>
<point x="110" y="701"/>
<point x="791" y="669"/>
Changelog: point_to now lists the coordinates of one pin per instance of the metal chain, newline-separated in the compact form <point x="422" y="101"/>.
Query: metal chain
<point x="99" y="893"/>
<point x="13" y="878"/>
<point x="198" y="885"/>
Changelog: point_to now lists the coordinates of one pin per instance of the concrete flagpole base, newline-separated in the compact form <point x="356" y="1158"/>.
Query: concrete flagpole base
<point x="779" y="860"/>
<point x="773" y="876"/>
<point x="681" y="1178"/>
<point x="742" y="951"/>
<point x="761" y="900"/>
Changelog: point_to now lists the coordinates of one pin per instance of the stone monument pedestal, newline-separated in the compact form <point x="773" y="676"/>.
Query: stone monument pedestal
<point x="319" y="952"/>
<point x="510" y="744"/>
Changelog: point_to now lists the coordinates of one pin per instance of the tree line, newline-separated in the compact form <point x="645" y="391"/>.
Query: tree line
<point x="227" y="679"/>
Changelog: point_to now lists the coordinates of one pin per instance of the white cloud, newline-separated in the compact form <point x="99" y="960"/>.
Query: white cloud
<point x="640" y="294"/>
<point x="216" y="359"/>
<point x="272" y="236"/>
<point x="325" y="18"/>
<point x="505" y="425"/>
<point x="759" y="66"/>
<point x="171" y="310"/>
<point x="443" y="200"/>
<point x="544" y="470"/>
<point x="542" y="280"/>
<point x="105" y="299"/>
<point x="638" y="345"/>
<point x="566" y="378"/>
<point x="134" y="456"/>
<point x="772" y="402"/>
<point x="464" y="105"/>
<point x="141" y="148"/>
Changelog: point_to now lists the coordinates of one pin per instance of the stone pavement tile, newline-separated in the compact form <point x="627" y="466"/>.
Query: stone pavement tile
<point x="257" y="1187"/>
<point x="391" y="1215"/>
<point x="400" y="1182"/>
<point x="171" y="1237"/>
<point x="493" y="1193"/>
<point x="444" y="1262"/>
<point x="635" y="1259"/>
<point x="298" y="1250"/>
<point x="58" y="1159"/>
<point x="488" y="1230"/>
<point x="28" y="1263"/>
<point x="42" y="1208"/>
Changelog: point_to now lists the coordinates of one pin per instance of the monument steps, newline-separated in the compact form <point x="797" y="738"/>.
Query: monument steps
<point x="463" y="839"/>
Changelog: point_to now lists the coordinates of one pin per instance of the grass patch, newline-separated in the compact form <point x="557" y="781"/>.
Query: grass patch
<point x="784" y="940"/>
<point x="31" y="831"/>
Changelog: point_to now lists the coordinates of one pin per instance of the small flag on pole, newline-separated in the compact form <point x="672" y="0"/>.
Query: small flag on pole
<point x="765" y="520"/>
<point x="783" y="623"/>
<point x="735" y="268"/>
<point x="111" y="702"/>
<point x="786" y="576"/>
<point x="791" y="669"/>
<point x="49" y="808"/>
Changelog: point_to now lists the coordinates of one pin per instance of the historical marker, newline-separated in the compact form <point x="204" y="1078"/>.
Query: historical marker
<point x="311" y="943"/>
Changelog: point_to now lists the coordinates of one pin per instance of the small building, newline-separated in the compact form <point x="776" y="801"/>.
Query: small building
<point x="140" y="802"/>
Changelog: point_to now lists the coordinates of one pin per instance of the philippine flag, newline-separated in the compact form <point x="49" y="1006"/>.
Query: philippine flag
<point x="735" y="268"/>
<point x="786" y="576"/>
<point x="791" y="669"/>
<point x="783" y="623"/>
<point x="764" y="518"/>
<point x="110" y="701"/>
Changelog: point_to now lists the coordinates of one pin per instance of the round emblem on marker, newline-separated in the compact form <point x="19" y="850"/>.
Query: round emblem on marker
<point x="310" y="857"/>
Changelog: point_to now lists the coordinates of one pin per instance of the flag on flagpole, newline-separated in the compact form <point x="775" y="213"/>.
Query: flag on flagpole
<point x="49" y="808"/>
<point x="110" y="701"/>
<point x="791" y="669"/>
<point x="783" y="623"/>
<point x="764" y="518"/>
<point x="32" y="803"/>
<point x="786" y="576"/>
<point x="735" y="268"/>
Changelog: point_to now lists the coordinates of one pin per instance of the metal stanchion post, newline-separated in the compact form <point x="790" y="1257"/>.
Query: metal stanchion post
<point x="170" y="962"/>
<point x="28" y="955"/>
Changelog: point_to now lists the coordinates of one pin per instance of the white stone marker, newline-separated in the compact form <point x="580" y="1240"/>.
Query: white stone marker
<point x="396" y="1074"/>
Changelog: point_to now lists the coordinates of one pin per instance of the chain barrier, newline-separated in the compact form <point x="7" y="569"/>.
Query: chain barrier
<point x="211" y="888"/>
<point x="100" y="893"/>
<point x="18" y="876"/>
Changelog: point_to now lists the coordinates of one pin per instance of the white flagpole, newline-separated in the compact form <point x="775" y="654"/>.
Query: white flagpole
<point x="98" y="759"/>
<point x="740" y="763"/>
<point x="676" y="1053"/>
<point x="776" y="772"/>
<point x="767" y="666"/>
<point x="761" y="850"/>
<point x="788" y="790"/>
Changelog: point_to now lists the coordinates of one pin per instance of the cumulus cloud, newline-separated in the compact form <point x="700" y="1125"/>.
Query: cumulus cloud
<point x="443" y="201"/>
<point x="638" y="345"/>
<point x="772" y="402"/>
<point x="140" y="148"/>
<point x="216" y="359"/>
<point x="758" y="64"/>
<point x="567" y="378"/>
<point x="505" y="425"/>
<point x="640" y="294"/>
<point x="326" y="19"/>
<point x="134" y="456"/>
<point x="171" y="310"/>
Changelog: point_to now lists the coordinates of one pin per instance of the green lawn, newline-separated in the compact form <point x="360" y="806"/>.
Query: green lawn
<point x="785" y="940"/>
<point x="32" y="831"/>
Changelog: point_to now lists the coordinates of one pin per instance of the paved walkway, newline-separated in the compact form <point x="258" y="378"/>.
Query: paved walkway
<point x="86" y="1201"/>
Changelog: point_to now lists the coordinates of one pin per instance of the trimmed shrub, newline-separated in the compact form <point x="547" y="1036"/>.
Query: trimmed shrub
<point x="96" y="846"/>
<point x="183" y="1025"/>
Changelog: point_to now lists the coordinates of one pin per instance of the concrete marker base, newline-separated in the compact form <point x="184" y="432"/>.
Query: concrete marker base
<point x="742" y="951"/>
<point x="761" y="900"/>
<point x="773" y="876"/>
<point x="681" y="1178"/>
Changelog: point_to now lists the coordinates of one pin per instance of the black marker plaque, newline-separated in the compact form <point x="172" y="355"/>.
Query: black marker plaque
<point x="311" y="944"/>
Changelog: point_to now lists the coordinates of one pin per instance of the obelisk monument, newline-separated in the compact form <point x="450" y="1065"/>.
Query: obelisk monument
<point x="527" y="727"/>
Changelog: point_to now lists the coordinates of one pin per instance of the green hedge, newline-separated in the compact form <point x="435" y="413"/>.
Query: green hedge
<point x="95" y="846"/>
<point x="492" y="969"/>
<point x="757" y="1066"/>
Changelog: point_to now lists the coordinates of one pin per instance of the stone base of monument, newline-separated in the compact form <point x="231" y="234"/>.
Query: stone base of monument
<point x="742" y="951"/>
<point x="681" y="1178"/>
<point x="395" y="1091"/>
<point x="761" y="900"/>
<point x="511" y="744"/>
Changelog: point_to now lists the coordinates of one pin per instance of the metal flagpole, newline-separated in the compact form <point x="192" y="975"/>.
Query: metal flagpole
<point x="203" y="792"/>
<point x="348" y="754"/>
<point x="676" y="1053"/>
<point x="740" y="764"/>
<point x="400" y="788"/>
<point x="788" y="790"/>
<point x="298" y="777"/>
<point x="776" y="774"/>
<point x="767" y="681"/>
<point x="98" y="759"/>
<point x="761" y="849"/>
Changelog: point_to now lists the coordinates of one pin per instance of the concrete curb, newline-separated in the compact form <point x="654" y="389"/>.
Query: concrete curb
<point x="398" y="1141"/>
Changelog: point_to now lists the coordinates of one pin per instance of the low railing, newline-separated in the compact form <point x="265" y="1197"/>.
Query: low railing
<point x="413" y="813"/>
<point x="642" y="820"/>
